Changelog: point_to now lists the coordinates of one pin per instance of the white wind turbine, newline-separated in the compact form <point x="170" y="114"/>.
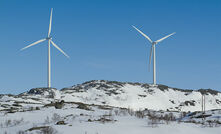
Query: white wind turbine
<point x="153" y="50"/>
<point x="49" y="39"/>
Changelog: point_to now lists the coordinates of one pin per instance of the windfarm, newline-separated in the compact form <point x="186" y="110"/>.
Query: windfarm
<point x="136" y="67"/>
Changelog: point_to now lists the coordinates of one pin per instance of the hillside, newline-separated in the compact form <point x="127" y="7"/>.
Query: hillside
<point x="100" y="106"/>
<point x="121" y="94"/>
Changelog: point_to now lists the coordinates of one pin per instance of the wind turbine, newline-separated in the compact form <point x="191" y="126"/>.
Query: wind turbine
<point x="49" y="39"/>
<point x="152" y="50"/>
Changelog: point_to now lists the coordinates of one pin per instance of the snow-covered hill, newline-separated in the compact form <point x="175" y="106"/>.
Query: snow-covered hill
<point x="141" y="96"/>
<point x="101" y="106"/>
<point x="119" y="94"/>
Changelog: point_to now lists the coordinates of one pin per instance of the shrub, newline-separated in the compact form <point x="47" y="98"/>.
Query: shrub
<point x="152" y="120"/>
<point x="56" y="117"/>
<point x="47" y="120"/>
<point x="139" y="114"/>
<point x="21" y="132"/>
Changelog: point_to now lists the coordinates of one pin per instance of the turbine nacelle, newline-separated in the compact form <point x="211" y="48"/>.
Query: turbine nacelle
<point x="48" y="38"/>
<point x="154" y="43"/>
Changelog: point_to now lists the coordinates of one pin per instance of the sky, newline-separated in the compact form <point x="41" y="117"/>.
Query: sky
<point x="99" y="38"/>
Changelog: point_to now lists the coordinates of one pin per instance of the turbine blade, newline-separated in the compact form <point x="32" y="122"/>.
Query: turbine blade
<point x="49" y="30"/>
<point x="59" y="49"/>
<point x="164" y="38"/>
<point x="151" y="49"/>
<point x="33" y="44"/>
<point x="143" y="34"/>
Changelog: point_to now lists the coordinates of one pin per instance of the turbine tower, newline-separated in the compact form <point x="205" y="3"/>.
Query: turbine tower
<point x="49" y="39"/>
<point x="152" y="50"/>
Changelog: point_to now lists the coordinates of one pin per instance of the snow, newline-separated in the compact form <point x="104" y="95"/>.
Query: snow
<point x="131" y="96"/>
<point x="77" y="122"/>
<point x="116" y="98"/>
<point x="126" y="95"/>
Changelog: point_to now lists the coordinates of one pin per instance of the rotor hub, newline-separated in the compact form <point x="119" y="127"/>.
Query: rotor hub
<point x="154" y="43"/>
<point x="48" y="38"/>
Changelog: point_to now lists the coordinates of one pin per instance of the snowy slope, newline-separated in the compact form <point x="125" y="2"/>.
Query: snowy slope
<point x="119" y="94"/>
<point x="121" y="107"/>
<point x="98" y="120"/>
<point x="140" y="96"/>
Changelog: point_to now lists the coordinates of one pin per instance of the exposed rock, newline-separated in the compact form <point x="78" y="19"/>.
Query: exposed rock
<point x="59" y="105"/>
<point x="47" y="92"/>
<point x="208" y="91"/>
<point x="61" y="123"/>
<point x="83" y="106"/>
<point x="37" y="128"/>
